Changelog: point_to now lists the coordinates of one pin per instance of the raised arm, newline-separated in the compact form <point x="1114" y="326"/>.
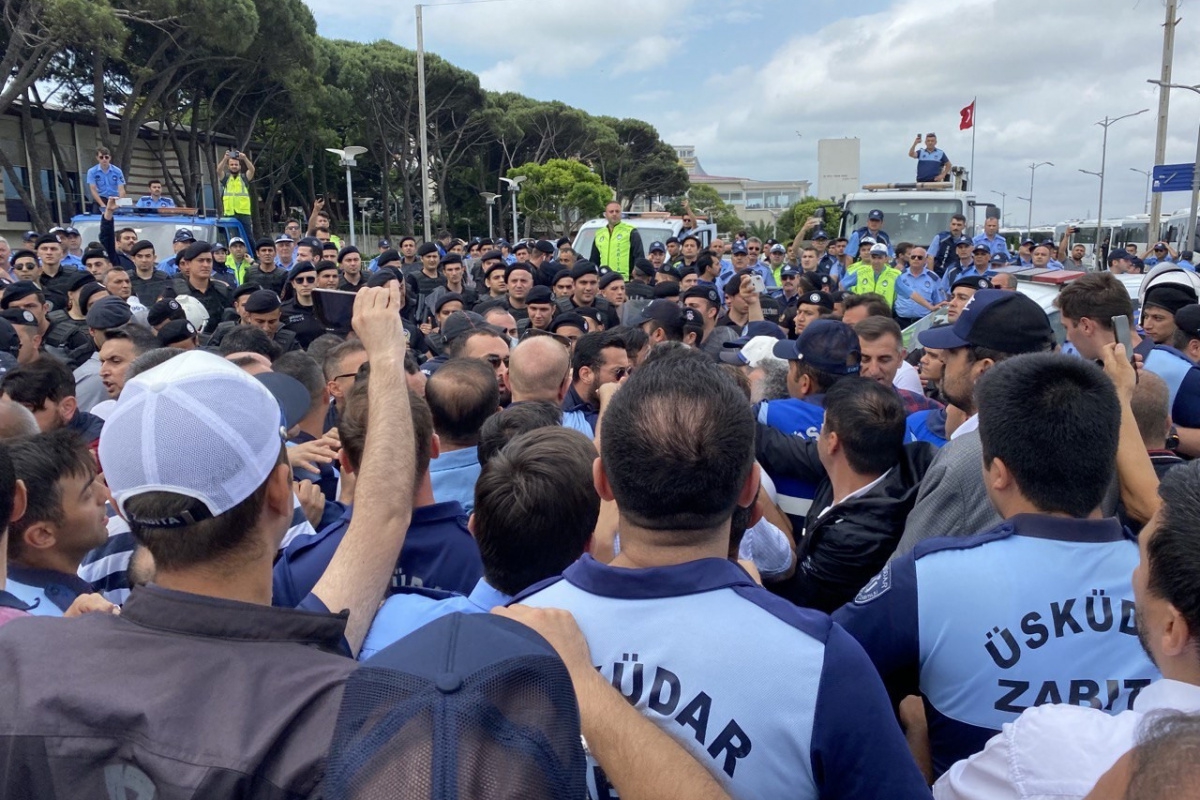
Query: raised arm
<point x="247" y="166"/>
<point x="912" y="151"/>
<point x="318" y="207"/>
<point x="108" y="235"/>
<point x="638" y="758"/>
<point x="362" y="567"/>
<point x="1135" y="473"/>
<point x="222" y="166"/>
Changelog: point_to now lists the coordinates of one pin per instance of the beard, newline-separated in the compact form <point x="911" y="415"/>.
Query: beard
<point x="1140" y="621"/>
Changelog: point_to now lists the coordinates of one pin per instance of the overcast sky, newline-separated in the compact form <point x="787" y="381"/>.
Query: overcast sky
<point x="739" y="79"/>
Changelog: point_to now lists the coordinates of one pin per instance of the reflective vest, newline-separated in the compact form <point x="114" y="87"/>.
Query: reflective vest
<point x="866" y="281"/>
<point x="614" y="247"/>
<point x="236" y="196"/>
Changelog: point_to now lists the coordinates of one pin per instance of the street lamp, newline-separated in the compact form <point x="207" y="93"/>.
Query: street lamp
<point x="346" y="157"/>
<point x="490" y="199"/>
<point x="1003" y="196"/>
<point x="1032" y="172"/>
<point x="514" y="186"/>
<point x="1147" y="173"/>
<point x="1105" y="123"/>
<point x="1189" y="240"/>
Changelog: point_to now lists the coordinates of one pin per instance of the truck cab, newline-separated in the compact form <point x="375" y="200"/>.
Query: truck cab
<point x="159" y="225"/>
<point x="911" y="212"/>
<point x="652" y="226"/>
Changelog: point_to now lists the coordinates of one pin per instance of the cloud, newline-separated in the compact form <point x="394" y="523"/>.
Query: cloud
<point x="647" y="53"/>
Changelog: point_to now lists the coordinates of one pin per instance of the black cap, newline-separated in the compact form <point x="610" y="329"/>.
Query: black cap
<point x="496" y="265"/>
<point x="88" y="291"/>
<point x="998" y="320"/>
<point x="175" y="331"/>
<point x="262" y="301"/>
<point x="10" y="343"/>
<point x="582" y="268"/>
<point x="450" y="258"/>
<point x="464" y="322"/>
<point x="245" y="289"/>
<point x="1171" y="297"/>
<point x="558" y="276"/>
<point x="46" y="238"/>
<point x="265" y="241"/>
<point x="18" y="291"/>
<point x="569" y="319"/>
<point x="448" y="297"/>
<point x="817" y="299"/>
<point x="511" y="268"/>
<point x="491" y="255"/>
<point x="540" y="295"/>
<point x="163" y="310"/>
<point x="19" y="316"/>
<point x="94" y="252"/>
<point x="666" y="289"/>
<point x="387" y="257"/>
<point x="973" y="282"/>
<point x="610" y="278"/>
<point x="708" y="293"/>
<point x="22" y="253"/>
<point x="108" y="313"/>
<point x="194" y="251"/>
<point x="301" y="268"/>
<point x="542" y="246"/>
<point x="1187" y="319"/>
<point x="347" y="250"/>
<point x="519" y="246"/>
<point x="666" y="313"/>
<point x="311" y="242"/>
<point x="80" y="280"/>
<point x="644" y="266"/>
<point x="383" y="277"/>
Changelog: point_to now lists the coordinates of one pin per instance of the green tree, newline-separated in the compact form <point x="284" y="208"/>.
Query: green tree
<point x="705" y="201"/>
<point x="792" y="220"/>
<point x="556" y="196"/>
<point x="637" y="163"/>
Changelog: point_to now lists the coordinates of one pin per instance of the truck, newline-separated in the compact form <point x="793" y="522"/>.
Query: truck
<point x="652" y="226"/>
<point x="912" y="212"/>
<point x="159" y="225"/>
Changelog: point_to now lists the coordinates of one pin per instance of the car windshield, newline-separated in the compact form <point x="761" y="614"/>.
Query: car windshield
<point x="905" y="220"/>
<point x="160" y="232"/>
<point x="653" y="232"/>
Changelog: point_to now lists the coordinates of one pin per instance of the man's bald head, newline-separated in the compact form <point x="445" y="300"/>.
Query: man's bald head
<point x="539" y="370"/>
<point x="16" y="420"/>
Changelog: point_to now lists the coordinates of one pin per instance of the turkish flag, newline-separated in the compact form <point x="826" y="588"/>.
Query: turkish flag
<point x="968" y="117"/>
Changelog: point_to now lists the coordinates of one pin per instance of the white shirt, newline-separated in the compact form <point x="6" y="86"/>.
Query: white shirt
<point x="971" y="424"/>
<point x="1058" y="752"/>
<point x="908" y="378"/>
<point x="856" y="493"/>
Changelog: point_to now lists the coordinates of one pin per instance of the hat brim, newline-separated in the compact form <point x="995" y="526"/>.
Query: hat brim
<point x="785" y="349"/>
<point x="732" y="355"/>
<point x="941" y="338"/>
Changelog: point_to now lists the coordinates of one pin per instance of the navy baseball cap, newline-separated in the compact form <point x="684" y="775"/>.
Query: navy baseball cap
<point x="820" y="235"/>
<point x="657" y="247"/>
<point x="972" y="282"/>
<point x="960" y="241"/>
<point x="1187" y="319"/>
<point x="1119" y="255"/>
<point x="981" y="248"/>
<point x="789" y="271"/>
<point x="665" y="312"/>
<point x="738" y="249"/>
<point x="708" y="293"/>
<point x="875" y="215"/>
<point x="820" y="299"/>
<point x="183" y="235"/>
<point x="471" y="705"/>
<point x="829" y="345"/>
<point x="998" y="320"/>
<point x="998" y="258"/>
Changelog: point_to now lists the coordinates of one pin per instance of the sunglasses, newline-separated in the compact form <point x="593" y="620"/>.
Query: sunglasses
<point x="621" y="372"/>
<point x="104" y="158"/>
<point x="496" y="360"/>
<point x="305" y="279"/>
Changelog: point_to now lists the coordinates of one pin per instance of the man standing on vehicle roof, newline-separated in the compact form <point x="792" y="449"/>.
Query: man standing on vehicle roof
<point x="618" y="244"/>
<point x="932" y="164"/>
<point x="873" y="230"/>
<point x="105" y="179"/>
<point x="235" y="171"/>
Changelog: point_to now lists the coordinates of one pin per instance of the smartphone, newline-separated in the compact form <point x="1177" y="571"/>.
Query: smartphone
<point x="758" y="283"/>
<point x="1120" y="325"/>
<point x="124" y="202"/>
<point x="820" y="212"/>
<point x="334" y="309"/>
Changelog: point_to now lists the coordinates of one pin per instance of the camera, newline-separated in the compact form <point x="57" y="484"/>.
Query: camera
<point x="819" y="213"/>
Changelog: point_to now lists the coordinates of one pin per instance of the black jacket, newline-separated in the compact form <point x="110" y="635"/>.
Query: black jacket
<point x="844" y="548"/>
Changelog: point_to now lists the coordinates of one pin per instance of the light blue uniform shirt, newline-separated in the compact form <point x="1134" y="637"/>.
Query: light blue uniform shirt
<point x="997" y="244"/>
<point x="107" y="181"/>
<point x="410" y="608"/>
<point x="774" y="700"/>
<point x="927" y="285"/>
<point x="453" y="475"/>
<point x="146" y="201"/>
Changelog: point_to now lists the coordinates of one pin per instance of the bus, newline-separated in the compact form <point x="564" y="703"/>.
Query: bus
<point x="1174" y="229"/>
<point x="1085" y="234"/>
<point x="1014" y="236"/>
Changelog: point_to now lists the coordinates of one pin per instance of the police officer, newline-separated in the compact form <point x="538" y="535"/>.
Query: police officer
<point x="216" y="297"/>
<point x="873" y="230"/>
<point x="618" y="244"/>
<point x="297" y="314"/>
<point x="1038" y="609"/>
<point x="640" y="285"/>
<point x="878" y="277"/>
<point x="586" y="276"/>
<point x="59" y="335"/>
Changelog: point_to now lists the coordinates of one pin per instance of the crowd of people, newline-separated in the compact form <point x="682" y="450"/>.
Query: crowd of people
<point x="688" y="519"/>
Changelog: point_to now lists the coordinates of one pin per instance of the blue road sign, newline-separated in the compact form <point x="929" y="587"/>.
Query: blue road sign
<point x="1173" y="177"/>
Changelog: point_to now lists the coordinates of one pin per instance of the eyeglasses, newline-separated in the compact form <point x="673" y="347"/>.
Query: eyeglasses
<point x="621" y="372"/>
<point x="305" y="279"/>
<point x="496" y="360"/>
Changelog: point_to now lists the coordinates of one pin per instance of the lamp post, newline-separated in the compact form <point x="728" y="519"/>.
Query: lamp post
<point x="1105" y="123"/>
<point x="1147" y="173"/>
<point x="1033" y="167"/>
<point x="1003" y="196"/>
<point x="1190" y="238"/>
<point x="514" y="186"/>
<point x="346" y="157"/>
<point x="490" y="199"/>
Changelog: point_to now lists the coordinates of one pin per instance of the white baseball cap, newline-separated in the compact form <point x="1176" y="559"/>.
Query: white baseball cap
<point x="879" y="249"/>
<point x="165" y="435"/>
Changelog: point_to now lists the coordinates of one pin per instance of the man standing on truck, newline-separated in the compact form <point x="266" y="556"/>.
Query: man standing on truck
<point x="235" y="171"/>
<point x="105" y="179"/>
<point x="618" y="244"/>
<point x="932" y="164"/>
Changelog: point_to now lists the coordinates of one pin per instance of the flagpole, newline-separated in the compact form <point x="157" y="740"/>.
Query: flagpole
<point x="974" y="119"/>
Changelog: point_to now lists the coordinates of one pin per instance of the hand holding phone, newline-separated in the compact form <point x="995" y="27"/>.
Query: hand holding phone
<point x="1120" y="325"/>
<point x="760" y="286"/>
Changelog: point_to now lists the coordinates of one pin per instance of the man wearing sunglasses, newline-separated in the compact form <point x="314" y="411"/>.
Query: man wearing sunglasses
<point x="105" y="179"/>
<point x="598" y="358"/>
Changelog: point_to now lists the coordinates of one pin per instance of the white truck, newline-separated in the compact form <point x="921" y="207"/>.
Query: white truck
<point x="912" y="212"/>
<point x="652" y="226"/>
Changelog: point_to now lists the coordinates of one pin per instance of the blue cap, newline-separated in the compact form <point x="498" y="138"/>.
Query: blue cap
<point x="463" y="691"/>
<point x="1115" y="255"/>
<point x="875" y="215"/>
<point x="820" y="235"/>
<point x="657" y="247"/>
<point x="738" y="249"/>
<point x="962" y="240"/>
<point x="789" y="271"/>
<point x="1006" y="321"/>
<point x="998" y="258"/>
<point x="829" y="345"/>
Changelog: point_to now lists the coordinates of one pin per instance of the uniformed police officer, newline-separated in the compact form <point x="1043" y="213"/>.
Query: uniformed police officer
<point x="1038" y="609"/>
<point x="297" y="314"/>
